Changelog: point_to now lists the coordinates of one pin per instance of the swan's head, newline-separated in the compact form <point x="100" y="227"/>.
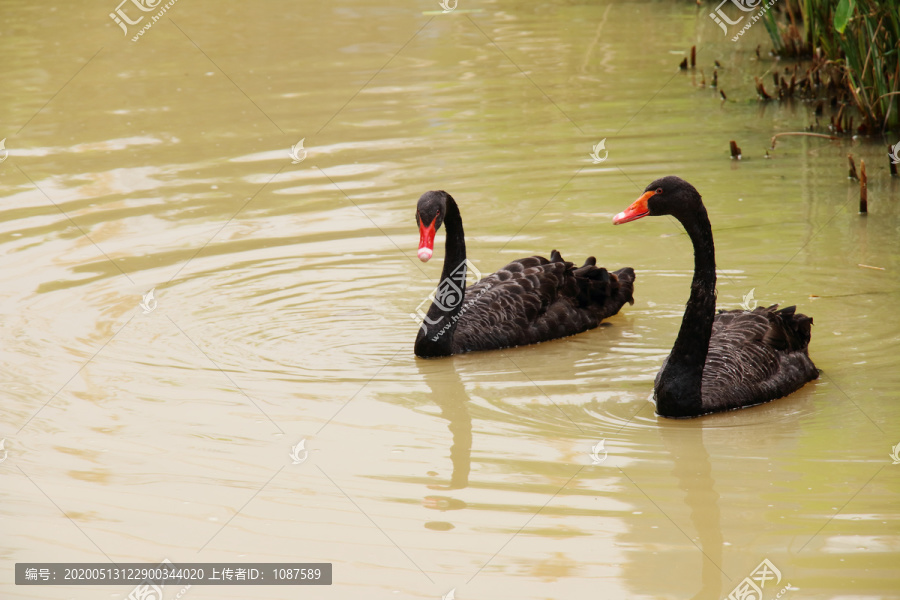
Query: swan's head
<point x="429" y="215"/>
<point x="666" y="196"/>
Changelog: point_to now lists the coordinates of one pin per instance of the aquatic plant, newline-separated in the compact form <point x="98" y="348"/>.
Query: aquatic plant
<point x="856" y="42"/>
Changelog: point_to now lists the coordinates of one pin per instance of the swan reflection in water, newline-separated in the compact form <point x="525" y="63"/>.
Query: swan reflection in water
<point x="449" y="394"/>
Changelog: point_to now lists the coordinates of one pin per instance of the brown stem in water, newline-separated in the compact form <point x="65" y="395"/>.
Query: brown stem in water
<point x="821" y="135"/>
<point x="863" y="188"/>
<point x="852" y="172"/>
<point x="761" y="89"/>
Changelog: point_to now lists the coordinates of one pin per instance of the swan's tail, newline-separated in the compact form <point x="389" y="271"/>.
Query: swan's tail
<point x="625" y="277"/>
<point x="606" y="291"/>
<point x="796" y="330"/>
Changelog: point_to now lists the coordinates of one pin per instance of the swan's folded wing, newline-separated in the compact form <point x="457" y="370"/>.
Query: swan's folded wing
<point x="757" y="355"/>
<point x="783" y="329"/>
<point x="533" y="300"/>
<point x="501" y="309"/>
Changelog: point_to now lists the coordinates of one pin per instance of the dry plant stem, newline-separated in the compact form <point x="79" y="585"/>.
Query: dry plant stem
<point x="852" y="172"/>
<point x="863" y="188"/>
<point x="790" y="14"/>
<point x="806" y="133"/>
<point x="839" y="119"/>
<point x="761" y="90"/>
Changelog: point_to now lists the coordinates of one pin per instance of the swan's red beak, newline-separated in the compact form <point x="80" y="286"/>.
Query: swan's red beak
<point x="426" y="241"/>
<point x="634" y="212"/>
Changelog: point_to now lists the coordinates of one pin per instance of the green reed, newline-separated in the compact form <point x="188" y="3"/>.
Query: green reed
<point x="858" y="40"/>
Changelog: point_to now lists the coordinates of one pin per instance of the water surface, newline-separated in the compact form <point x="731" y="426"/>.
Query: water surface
<point x="284" y="294"/>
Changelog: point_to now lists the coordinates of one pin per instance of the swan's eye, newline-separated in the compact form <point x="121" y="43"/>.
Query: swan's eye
<point x="659" y="190"/>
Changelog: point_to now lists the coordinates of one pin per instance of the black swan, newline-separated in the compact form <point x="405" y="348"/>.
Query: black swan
<point x="530" y="300"/>
<point x="728" y="360"/>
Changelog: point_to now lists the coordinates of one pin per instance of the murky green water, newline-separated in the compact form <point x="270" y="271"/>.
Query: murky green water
<point x="285" y="290"/>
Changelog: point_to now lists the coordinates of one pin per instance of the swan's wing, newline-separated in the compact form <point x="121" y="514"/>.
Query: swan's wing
<point x="501" y="309"/>
<point x="756" y="356"/>
<point x="780" y="329"/>
<point x="534" y="299"/>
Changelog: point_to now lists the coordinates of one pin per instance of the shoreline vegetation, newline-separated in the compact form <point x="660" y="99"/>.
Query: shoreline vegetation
<point x="854" y="51"/>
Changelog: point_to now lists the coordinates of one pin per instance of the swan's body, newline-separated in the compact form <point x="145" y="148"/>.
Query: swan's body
<point x="754" y="357"/>
<point x="530" y="300"/>
<point x="533" y="300"/>
<point x="728" y="360"/>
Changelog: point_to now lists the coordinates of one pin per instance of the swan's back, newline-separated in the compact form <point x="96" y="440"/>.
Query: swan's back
<point x="533" y="300"/>
<point x="756" y="356"/>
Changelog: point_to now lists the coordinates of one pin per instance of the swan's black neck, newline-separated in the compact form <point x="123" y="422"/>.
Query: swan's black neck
<point x="678" y="386"/>
<point x="435" y="337"/>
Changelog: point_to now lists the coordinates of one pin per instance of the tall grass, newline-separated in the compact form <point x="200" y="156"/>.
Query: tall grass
<point x="858" y="38"/>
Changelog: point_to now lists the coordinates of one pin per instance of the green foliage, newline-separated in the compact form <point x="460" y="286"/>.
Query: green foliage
<point x="861" y="38"/>
<point x="842" y="15"/>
